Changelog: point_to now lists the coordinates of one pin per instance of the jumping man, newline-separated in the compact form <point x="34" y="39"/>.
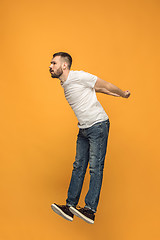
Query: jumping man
<point x="80" y="91"/>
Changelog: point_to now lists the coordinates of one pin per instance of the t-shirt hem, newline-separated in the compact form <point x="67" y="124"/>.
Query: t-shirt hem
<point x="90" y="125"/>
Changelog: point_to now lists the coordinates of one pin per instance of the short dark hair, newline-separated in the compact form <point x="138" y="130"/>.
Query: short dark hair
<point x="65" y="55"/>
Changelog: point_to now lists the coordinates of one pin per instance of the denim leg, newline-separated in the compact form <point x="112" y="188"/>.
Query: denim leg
<point x="98" y="138"/>
<point x="79" y="169"/>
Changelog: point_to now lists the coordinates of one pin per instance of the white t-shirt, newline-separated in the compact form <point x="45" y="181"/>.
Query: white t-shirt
<point x="81" y="96"/>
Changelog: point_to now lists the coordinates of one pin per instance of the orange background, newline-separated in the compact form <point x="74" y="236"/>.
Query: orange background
<point x="119" y="42"/>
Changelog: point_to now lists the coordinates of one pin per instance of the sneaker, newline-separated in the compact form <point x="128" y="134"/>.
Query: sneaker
<point x="63" y="211"/>
<point x="83" y="213"/>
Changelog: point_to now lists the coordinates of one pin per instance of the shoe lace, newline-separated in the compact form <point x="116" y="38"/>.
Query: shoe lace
<point x="84" y="209"/>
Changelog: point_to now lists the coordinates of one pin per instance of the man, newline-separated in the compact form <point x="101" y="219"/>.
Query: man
<point x="93" y="122"/>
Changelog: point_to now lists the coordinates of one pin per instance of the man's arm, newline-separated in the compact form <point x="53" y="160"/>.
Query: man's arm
<point x="110" y="89"/>
<point x="103" y="90"/>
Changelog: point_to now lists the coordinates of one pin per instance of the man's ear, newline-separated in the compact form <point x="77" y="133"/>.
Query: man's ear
<point x="64" y="65"/>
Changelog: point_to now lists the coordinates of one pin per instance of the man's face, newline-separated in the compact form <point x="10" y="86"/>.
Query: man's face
<point x="56" y="67"/>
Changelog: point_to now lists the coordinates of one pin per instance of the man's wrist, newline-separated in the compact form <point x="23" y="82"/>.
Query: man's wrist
<point x="121" y="94"/>
<point x="124" y="95"/>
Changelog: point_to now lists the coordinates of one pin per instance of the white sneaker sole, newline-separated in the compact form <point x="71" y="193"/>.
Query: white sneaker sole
<point x="80" y="215"/>
<point x="57" y="210"/>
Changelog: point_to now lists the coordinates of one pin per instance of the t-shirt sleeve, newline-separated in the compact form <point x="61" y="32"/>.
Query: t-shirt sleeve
<point x="88" y="79"/>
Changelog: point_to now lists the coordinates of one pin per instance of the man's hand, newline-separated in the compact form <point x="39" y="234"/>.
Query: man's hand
<point x="127" y="94"/>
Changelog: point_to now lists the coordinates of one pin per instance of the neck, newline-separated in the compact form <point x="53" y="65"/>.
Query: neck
<point x="64" y="76"/>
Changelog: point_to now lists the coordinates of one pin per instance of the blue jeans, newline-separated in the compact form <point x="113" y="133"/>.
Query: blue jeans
<point x="91" y="147"/>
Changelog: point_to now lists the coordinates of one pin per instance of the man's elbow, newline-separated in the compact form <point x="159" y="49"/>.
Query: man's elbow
<point x="102" y="90"/>
<point x="97" y="89"/>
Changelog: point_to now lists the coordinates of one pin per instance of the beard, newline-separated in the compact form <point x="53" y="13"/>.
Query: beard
<point x="58" y="73"/>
